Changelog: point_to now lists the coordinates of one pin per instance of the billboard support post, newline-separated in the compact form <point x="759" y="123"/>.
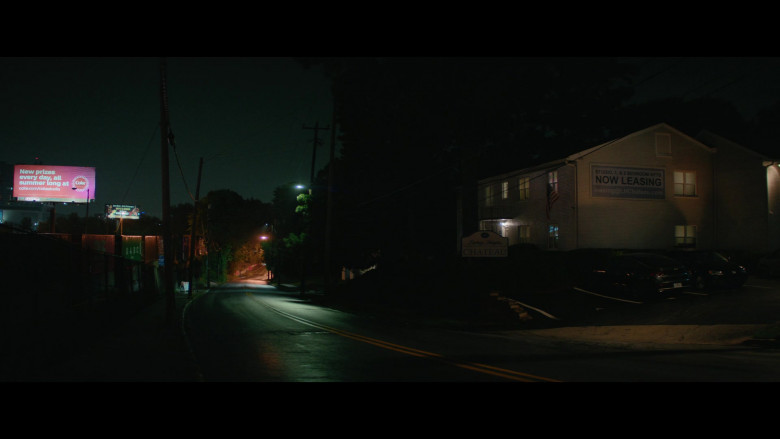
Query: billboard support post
<point x="166" y="140"/>
<point x="86" y="215"/>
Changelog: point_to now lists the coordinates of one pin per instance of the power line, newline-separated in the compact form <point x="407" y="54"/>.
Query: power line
<point x="181" y="171"/>
<point x="143" y="157"/>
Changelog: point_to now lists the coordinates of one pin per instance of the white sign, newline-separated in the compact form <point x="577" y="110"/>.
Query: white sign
<point x="627" y="182"/>
<point x="484" y="244"/>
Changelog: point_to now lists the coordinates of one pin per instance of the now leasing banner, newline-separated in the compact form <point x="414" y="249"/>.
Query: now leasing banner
<point x="627" y="182"/>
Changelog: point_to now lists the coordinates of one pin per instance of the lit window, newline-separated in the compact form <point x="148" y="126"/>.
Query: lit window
<point x="524" y="186"/>
<point x="492" y="225"/>
<point x="685" y="183"/>
<point x="488" y="195"/>
<point x="685" y="236"/>
<point x="552" y="236"/>
<point x="552" y="181"/>
<point x="524" y="234"/>
<point x="504" y="190"/>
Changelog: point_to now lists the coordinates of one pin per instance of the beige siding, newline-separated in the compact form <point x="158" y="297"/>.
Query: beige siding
<point x="772" y="214"/>
<point x="646" y="223"/>
<point x="736" y="205"/>
<point x="741" y="209"/>
<point x="514" y="212"/>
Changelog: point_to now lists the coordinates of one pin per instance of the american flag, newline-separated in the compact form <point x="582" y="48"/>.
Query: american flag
<point x="552" y="197"/>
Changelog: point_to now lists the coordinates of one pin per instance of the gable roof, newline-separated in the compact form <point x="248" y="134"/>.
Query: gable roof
<point x="716" y="140"/>
<point x="665" y="126"/>
<point x="578" y="155"/>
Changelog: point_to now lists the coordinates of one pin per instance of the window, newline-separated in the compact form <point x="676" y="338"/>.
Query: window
<point x="488" y="195"/>
<point x="552" y="236"/>
<point x="524" y="184"/>
<point x="663" y="144"/>
<point x="685" y="183"/>
<point x="685" y="236"/>
<point x="504" y="190"/>
<point x="552" y="181"/>
<point x="524" y="234"/>
<point x="491" y="225"/>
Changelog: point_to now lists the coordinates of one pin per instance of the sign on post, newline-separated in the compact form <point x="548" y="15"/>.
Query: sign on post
<point x="484" y="244"/>
<point x="44" y="183"/>
<point x="122" y="211"/>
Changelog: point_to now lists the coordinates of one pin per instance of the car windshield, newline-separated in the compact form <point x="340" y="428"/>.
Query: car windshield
<point x="654" y="260"/>
<point x="705" y="257"/>
<point x="710" y="257"/>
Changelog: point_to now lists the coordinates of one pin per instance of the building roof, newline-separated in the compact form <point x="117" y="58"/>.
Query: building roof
<point x="716" y="140"/>
<point x="580" y="154"/>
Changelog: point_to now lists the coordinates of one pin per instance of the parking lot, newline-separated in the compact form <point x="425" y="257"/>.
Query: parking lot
<point x="756" y="302"/>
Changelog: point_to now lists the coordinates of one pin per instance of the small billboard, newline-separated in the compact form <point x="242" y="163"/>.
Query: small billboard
<point x="44" y="183"/>
<point x="122" y="211"/>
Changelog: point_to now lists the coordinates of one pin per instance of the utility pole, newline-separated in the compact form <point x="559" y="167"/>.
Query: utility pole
<point x="194" y="224"/>
<point x="316" y="129"/>
<point x="329" y="213"/>
<point x="166" y="136"/>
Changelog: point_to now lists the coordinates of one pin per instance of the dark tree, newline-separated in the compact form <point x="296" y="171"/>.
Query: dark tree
<point x="416" y="134"/>
<point x="230" y="222"/>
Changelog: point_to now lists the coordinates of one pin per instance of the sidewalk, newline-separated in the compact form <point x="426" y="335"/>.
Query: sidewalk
<point x="143" y="349"/>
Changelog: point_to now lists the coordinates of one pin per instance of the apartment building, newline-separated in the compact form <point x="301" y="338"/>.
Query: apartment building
<point x="657" y="188"/>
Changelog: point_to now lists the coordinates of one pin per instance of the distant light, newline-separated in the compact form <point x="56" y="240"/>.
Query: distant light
<point x="299" y="186"/>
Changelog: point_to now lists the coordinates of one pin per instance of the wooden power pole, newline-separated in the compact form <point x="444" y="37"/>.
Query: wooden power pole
<point x="306" y="255"/>
<point x="194" y="225"/>
<point x="166" y="134"/>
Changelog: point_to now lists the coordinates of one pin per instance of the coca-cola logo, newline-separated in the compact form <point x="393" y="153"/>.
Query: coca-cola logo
<point x="81" y="183"/>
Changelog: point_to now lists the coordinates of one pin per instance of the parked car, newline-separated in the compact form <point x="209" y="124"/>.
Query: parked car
<point x="769" y="265"/>
<point x="643" y="275"/>
<point x="711" y="270"/>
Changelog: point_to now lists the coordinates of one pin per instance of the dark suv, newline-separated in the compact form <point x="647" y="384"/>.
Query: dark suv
<point x="643" y="275"/>
<point x="711" y="270"/>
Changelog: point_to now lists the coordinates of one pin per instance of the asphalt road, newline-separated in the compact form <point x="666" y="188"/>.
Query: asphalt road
<point x="254" y="332"/>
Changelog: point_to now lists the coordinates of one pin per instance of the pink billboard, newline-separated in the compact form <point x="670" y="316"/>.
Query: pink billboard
<point x="68" y="184"/>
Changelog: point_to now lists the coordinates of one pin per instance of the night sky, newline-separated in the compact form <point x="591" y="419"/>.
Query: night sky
<point x="751" y="83"/>
<point x="243" y="116"/>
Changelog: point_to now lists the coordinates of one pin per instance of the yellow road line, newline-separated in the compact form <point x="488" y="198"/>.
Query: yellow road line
<point x="482" y="368"/>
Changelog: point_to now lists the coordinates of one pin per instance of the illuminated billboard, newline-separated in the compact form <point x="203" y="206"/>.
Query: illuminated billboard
<point x="122" y="211"/>
<point x="68" y="184"/>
